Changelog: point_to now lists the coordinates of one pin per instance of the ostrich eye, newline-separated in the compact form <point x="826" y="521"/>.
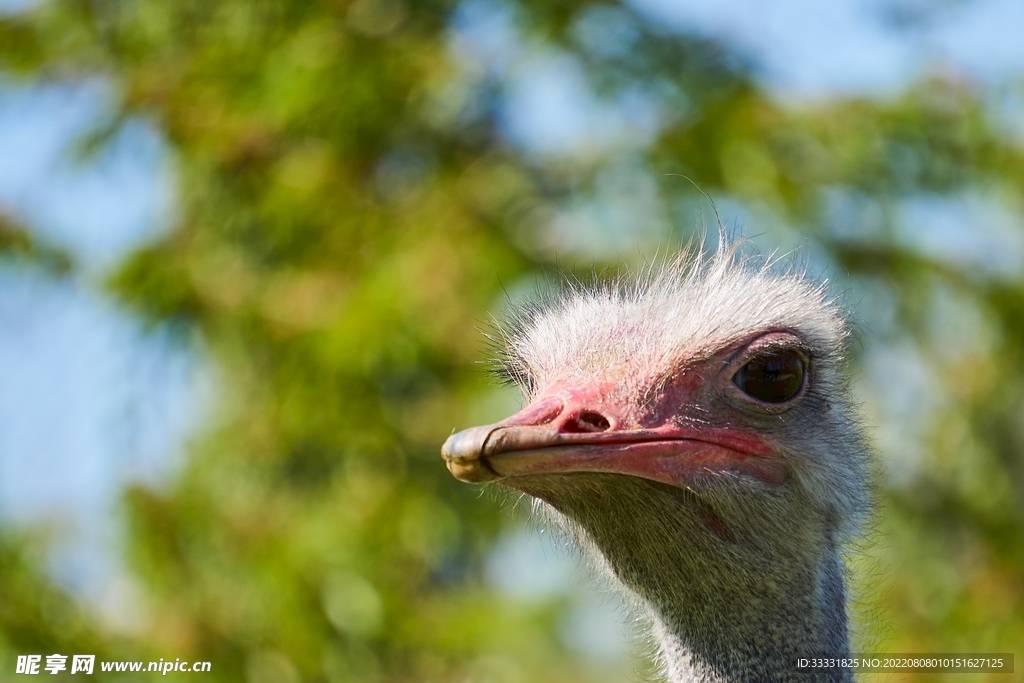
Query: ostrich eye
<point x="773" y="377"/>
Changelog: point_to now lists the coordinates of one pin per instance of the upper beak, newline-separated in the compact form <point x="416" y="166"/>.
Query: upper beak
<point x="469" y="453"/>
<point x="502" y="450"/>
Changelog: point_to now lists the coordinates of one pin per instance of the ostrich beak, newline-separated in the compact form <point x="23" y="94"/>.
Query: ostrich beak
<point x="670" y="454"/>
<point x="467" y="453"/>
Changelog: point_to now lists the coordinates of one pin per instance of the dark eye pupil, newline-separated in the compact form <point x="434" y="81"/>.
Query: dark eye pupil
<point x="774" y="377"/>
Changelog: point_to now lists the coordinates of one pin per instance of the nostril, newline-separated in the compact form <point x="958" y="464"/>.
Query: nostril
<point x="588" y="421"/>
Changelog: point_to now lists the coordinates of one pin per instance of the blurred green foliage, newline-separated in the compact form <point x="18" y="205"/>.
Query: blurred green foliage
<point x="16" y="244"/>
<point x="348" y="211"/>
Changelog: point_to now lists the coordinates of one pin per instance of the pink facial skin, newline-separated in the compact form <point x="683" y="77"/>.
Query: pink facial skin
<point x="662" y="433"/>
<point x="563" y="433"/>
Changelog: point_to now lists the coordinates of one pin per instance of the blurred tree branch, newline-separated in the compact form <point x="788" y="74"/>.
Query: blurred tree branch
<point x="19" y="245"/>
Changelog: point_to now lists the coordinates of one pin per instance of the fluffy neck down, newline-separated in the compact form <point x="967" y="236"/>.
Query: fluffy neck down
<point x="734" y="591"/>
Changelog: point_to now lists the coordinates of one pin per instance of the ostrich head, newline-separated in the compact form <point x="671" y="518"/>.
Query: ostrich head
<point x="691" y="429"/>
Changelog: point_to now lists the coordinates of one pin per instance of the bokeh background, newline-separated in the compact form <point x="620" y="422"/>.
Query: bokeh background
<point x="245" y="247"/>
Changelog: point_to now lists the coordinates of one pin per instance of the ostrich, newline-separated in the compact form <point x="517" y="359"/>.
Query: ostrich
<point x="692" y="431"/>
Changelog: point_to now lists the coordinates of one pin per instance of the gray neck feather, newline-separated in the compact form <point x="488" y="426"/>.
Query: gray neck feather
<point x="735" y="591"/>
<point x="759" y="639"/>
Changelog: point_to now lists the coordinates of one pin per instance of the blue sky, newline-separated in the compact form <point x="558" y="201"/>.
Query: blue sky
<point x="90" y="400"/>
<point x="809" y="49"/>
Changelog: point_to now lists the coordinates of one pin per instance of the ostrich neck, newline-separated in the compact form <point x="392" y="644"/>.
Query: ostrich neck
<point x="737" y="589"/>
<point x="758" y="637"/>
